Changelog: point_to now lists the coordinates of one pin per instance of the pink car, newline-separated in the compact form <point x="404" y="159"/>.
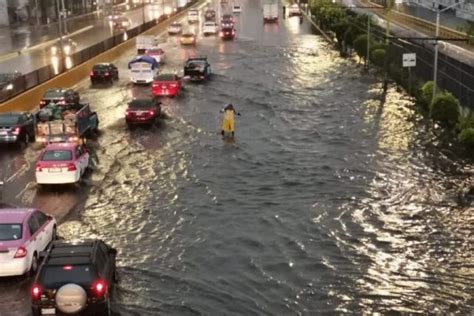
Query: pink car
<point x="24" y="233"/>
<point x="62" y="163"/>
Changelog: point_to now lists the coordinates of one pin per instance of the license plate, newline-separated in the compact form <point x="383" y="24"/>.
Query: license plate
<point x="3" y="133"/>
<point x="54" y="170"/>
<point x="165" y="91"/>
<point x="48" y="311"/>
<point x="139" y="113"/>
<point x="57" y="139"/>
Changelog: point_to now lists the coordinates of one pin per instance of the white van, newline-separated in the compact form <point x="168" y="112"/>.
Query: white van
<point x="143" y="69"/>
<point x="193" y="16"/>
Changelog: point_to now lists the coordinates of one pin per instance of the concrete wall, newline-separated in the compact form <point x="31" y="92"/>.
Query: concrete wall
<point x="4" y="20"/>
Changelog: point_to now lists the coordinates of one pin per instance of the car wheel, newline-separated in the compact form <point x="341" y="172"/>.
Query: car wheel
<point x="34" y="265"/>
<point x="26" y="139"/>
<point x="54" y="235"/>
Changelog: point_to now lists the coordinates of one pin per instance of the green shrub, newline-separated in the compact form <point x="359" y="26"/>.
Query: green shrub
<point x="349" y="36"/>
<point x="426" y="95"/>
<point x="445" y="109"/>
<point x="466" y="121"/>
<point x="360" y="46"/>
<point x="378" y="56"/>
<point x="467" y="137"/>
<point x="376" y="45"/>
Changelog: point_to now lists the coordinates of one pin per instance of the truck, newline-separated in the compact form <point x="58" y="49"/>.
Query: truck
<point x="270" y="11"/>
<point x="145" y="42"/>
<point x="70" y="123"/>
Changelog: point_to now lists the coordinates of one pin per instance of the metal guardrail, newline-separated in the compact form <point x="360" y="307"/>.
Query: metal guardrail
<point x="27" y="81"/>
<point x="420" y="24"/>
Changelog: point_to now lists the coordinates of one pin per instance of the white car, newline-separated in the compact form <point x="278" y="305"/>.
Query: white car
<point x="62" y="163"/>
<point x="175" y="28"/>
<point x="193" y="16"/>
<point x="156" y="53"/>
<point x="24" y="234"/>
<point x="209" y="28"/>
<point x="236" y="8"/>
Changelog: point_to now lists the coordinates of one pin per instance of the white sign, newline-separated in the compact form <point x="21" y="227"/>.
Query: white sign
<point x="409" y="60"/>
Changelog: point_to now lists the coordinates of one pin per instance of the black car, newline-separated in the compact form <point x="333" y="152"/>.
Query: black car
<point x="59" y="96"/>
<point x="197" y="69"/>
<point x="104" y="72"/>
<point x="17" y="127"/>
<point x="75" y="277"/>
<point x="227" y="33"/>
<point x="143" y="111"/>
<point x="210" y="15"/>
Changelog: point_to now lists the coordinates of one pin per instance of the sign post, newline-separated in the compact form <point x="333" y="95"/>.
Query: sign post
<point x="409" y="61"/>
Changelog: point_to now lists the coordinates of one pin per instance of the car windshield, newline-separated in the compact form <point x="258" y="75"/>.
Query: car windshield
<point x="100" y="67"/>
<point x="176" y="24"/>
<point x="140" y="104"/>
<point x="57" y="155"/>
<point x="56" y="275"/>
<point x="9" y="119"/>
<point x="188" y="35"/>
<point x="10" y="232"/>
<point x="54" y="94"/>
<point x="155" y="51"/>
<point x="165" y="77"/>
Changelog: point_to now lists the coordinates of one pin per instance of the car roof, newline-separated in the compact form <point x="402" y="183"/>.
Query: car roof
<point x="14" y="215"/>
<point x="59" y="146"/>
<point x="71" y="252"/>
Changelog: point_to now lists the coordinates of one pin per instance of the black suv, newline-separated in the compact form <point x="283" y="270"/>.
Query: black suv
<point x="104" y="72"/>
<point x="197" y="69"/>
<point x="75" y="277"/>
<point x="60" y="96"/>
<point x="17" y="127"/>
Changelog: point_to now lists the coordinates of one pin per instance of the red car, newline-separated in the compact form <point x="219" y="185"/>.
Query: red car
<point x="143" y="111"/>
<point x="166" y="85"/>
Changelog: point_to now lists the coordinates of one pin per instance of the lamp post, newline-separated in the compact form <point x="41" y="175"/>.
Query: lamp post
<point x="435" y="70"/>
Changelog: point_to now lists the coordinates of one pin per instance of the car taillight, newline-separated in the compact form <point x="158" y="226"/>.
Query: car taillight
<point x="67" y="268"/>
<point x="128" y="113"/>
<point x="16" y="131"/>
<point x="42" y="102"/>
<point x="99" y="288"/>
<point x="36" y="292"/>
<point x="151" y="112"/>
<point x="221" y="34"/>
<point x="21" y="252"/>
<point x="173" y="85"/>
<point x="92" y="73"/>
<point x="71" y="167"/>
<point x="73" y="139"/>
<point x="62" y="101"/>
<point x="39" y="167"/>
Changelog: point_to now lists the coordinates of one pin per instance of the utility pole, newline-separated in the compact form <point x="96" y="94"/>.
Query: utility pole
<point x="367" y="57"/>
<point x="37" y="13"/>
<point x="64" y="16"/>
<point x="435" y="70"/>
<point x="61" y="44"/>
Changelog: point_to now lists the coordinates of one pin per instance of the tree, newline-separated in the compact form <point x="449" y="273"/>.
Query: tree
<point x="445" y="109"/>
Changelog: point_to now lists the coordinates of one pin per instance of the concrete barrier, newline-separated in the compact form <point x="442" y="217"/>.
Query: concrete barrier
<point x="29" y="100"/>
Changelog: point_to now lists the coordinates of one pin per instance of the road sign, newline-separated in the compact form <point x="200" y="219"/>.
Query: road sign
<point x="409" y="60"/>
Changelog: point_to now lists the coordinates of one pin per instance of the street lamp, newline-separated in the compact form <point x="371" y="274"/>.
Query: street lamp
<point x="435" y="71"/>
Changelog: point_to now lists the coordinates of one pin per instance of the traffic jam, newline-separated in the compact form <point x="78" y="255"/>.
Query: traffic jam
<point x="78" y="276"/>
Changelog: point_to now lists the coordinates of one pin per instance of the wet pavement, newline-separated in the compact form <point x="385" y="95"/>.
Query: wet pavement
<point x="326" y="203"/>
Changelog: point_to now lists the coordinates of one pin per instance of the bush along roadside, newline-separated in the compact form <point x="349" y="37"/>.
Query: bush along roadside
<point x="349" y="30"/>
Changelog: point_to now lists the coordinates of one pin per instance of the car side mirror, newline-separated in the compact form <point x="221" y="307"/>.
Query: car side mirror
<point x="49" y="217"/>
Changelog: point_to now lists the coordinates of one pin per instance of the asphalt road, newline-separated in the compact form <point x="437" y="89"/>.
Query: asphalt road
<point x="326" y="203"/>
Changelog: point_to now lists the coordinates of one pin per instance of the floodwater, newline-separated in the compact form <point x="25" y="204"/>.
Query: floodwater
<point x="326" y="203"/>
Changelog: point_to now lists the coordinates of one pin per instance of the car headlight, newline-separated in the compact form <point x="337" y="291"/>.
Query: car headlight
<point x="54" y="50"/>
<point x="124" y="23"/>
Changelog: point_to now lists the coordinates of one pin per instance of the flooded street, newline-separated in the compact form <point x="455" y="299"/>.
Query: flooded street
<point x="326" y="203"/>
